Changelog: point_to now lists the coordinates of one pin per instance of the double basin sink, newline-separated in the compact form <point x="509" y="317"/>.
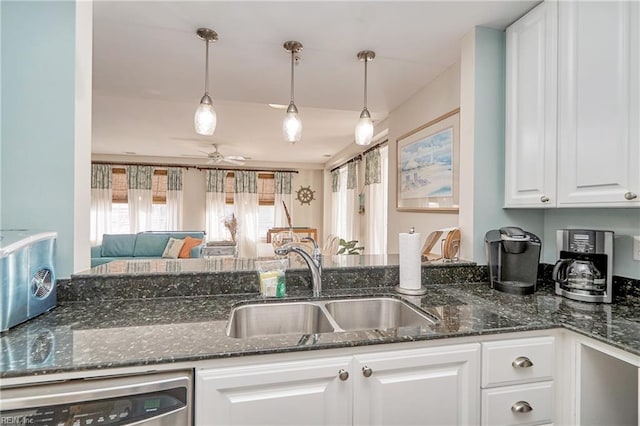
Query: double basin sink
<point x="325" y="316"/>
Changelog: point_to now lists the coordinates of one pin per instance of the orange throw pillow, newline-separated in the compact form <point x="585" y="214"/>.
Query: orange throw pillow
<point x="189" y="243"/>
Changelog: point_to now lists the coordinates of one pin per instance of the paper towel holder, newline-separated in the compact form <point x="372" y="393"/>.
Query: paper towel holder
<point x="411" y="291"/>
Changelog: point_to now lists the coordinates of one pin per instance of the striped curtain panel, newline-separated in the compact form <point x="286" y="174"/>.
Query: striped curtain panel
<point x="351" y="216"/>
<point x="372" y="172"/>
<point x="214" y="207"/>
<point x="139" y="180"/>
<point x="101" y="198"/>
<point x="245" y="201"/>
<point x="283" y="197"/>
<point x="376" y="198"/>
<point x="335" y="202"/>
<point x="174" y="199"/>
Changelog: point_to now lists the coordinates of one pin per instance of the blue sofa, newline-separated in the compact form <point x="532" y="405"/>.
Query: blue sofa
<point x="143" y="245"/>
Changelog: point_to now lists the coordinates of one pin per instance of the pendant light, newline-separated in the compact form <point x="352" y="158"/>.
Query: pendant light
<point x="292" y="126"/>
<point x="205" y="117"/>
<point x="364" y="128"/>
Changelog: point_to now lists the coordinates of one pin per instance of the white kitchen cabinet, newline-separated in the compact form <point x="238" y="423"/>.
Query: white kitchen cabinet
<point x="437" y="386"/>
<point x="573" y="106"/>
<point x="283" y="393"/>
<point x="530" y="150"/>
<point x="518" y="381"/>
<point x="598" y="115"/>
<point x="431" y="386"/>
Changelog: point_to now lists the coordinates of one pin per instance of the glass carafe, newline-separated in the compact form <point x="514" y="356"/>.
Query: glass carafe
<point x="583" y="275"/>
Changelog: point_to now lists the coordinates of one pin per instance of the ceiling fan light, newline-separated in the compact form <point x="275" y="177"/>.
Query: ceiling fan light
<point x="364" y="129"/>
<point x="205" y="119"/>
<point x="292" y="125"/>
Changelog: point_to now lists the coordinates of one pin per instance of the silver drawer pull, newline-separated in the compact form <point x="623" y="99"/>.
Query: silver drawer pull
<point x="366" y="371"/>
<point x="343" y="375"/>
<point x="630" y="195"/>
<point x="521" y="407"/>
<point x="544" y="199"/>
<point x="522" y="362"/>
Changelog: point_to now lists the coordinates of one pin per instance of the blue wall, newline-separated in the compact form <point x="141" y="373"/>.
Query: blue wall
<point x="623" y="222"/>
<point x="38" y="97"/>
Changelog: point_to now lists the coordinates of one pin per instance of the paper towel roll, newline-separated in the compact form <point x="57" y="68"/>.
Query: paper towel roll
<point x="410" y="266"/>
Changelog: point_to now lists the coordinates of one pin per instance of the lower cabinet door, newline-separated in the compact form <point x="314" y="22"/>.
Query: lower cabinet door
<point x="530" y="404"/>
<point x="434" y="386"/>
<point x="283" y="393"/>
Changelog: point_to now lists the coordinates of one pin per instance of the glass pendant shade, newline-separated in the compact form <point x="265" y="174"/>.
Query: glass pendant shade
<point x="364" y="129"/>
<point x="292" y="125"/>
<point x="205" y="118"/>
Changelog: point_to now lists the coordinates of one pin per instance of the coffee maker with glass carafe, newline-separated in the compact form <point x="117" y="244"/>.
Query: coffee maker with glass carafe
<point x="584" y="268"/>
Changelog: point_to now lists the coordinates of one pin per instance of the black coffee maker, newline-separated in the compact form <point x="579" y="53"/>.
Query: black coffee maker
<point x="513" y="256"/>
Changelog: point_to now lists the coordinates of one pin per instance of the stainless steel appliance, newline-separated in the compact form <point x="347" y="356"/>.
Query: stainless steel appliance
<point x="513" y="256"/>
<point x="584" y="270"/>
<point x="152" y="399"/>
<point x="27" y="274"/>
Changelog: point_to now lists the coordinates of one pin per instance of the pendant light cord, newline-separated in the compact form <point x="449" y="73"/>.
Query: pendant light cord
<point x="365" y="82"/>
<point x="292" y="61"/>
<point x="206" y="68"/>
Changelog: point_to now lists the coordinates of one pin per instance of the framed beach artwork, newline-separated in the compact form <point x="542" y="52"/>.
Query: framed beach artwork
<point x="429" y="166"/>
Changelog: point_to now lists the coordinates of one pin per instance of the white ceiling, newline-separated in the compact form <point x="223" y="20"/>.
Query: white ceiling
<point x="148" y="73"/>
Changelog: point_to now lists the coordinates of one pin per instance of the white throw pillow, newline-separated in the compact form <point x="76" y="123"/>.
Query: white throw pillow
<point x="172" y="250"/>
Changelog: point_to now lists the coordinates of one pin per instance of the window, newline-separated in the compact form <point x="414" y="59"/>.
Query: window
<point x="266" y="199"/>
<point x="120" y="200"/>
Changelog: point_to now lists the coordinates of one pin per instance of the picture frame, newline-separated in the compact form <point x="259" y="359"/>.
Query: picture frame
<point x="428" y="166"/>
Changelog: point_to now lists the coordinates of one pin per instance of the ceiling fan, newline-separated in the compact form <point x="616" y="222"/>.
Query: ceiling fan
<point x="216" y="157"/>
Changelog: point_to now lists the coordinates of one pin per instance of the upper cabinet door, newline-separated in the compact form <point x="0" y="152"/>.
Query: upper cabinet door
<point x="531" y="105"/>
<point x="598" y="137"/>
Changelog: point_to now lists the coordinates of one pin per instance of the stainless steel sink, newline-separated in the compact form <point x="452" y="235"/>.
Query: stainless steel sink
<point x="263" y="319"/>
<point x="325" y="316"/>
<point x="376" y="313"/>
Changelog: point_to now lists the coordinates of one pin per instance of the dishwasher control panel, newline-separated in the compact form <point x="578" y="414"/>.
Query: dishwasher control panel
<point x="139" y="401"/>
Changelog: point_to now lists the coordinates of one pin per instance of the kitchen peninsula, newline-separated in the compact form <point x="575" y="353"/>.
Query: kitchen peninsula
<point x="98" y="333"/>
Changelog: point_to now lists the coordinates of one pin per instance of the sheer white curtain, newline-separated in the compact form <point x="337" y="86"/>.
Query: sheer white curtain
<point x="282" y="194"/>
<point x="139" y="194"/>
<point x="174" y="199"/>
<point x="101" y="196"/>
<point x="214" y="208"/>
<point x="245" y="201"/>
<point x="376" y="200"/>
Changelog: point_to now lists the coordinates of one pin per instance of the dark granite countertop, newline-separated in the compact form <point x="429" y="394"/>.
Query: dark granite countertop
<point x="89" y="335"/>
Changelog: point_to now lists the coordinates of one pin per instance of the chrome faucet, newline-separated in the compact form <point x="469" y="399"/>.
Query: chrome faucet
<point x="314" y="261"/>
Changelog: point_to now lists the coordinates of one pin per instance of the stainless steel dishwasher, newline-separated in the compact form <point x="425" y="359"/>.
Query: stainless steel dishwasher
<point x="152" y="399"/>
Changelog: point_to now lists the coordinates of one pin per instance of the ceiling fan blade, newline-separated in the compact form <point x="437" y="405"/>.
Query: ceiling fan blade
<point x="235" y="157"/>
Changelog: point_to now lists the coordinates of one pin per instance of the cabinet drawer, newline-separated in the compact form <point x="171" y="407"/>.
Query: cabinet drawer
<point x="505" y="362"/>
<point x="498" y="405"/>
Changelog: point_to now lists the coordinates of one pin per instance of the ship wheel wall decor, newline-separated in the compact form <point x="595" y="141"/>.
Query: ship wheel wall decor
<point x="305" y="195"/>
